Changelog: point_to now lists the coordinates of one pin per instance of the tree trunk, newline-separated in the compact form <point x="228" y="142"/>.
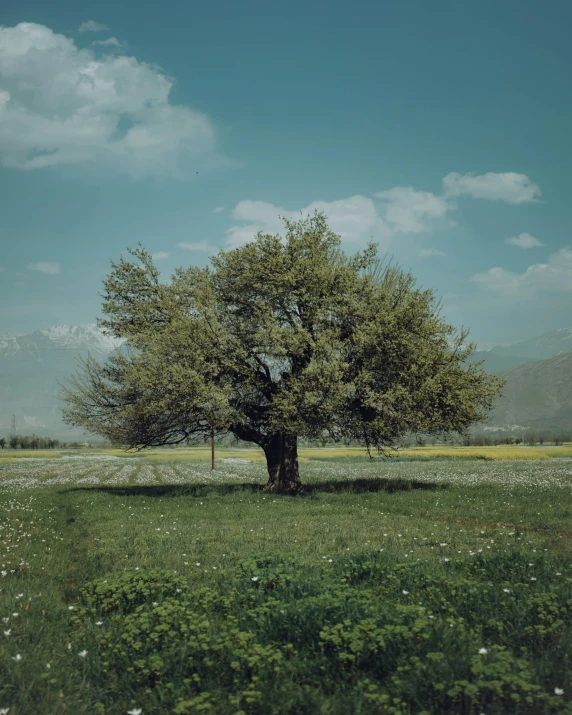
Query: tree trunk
<point x="281" y="450"/>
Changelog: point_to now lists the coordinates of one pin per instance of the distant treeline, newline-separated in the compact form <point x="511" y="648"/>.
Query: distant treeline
<point x="19" y="441"/>
<point x="530" y="439"/>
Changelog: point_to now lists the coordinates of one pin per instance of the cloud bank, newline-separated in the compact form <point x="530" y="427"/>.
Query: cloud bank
<point x="62" y="105"/>
<point x="555" y="276"/>
<point x="400" y="210"/>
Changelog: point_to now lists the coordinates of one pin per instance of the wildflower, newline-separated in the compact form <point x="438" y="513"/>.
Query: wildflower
<point x="71" y="608"/>
<point x="506" y="590"/>
<point x="134" y="711"/>
<point x="198" y="563"/>
<point x="48" y="666"/>
<point x="405" y="593"/>
<point x="83" y="653"/>
<point x="18" y="657"/>
<point x="558" y="691"/>
<point x="15" y="615"/>
<point x="482" y="651"/>
<point x="533" y="579"/>
<point x="7" y="633"/>
<point x="329" y="561"/>
<point x="446" y="559"/>
<point x="558" y="573"/>
<point x="4" y="711"/>
<point x="99" y="623"/>
<point x="19" y="595"/>
<point x="254" y="578"/>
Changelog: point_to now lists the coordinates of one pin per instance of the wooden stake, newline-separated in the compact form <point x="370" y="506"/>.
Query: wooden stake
<point x="212" y="449"/>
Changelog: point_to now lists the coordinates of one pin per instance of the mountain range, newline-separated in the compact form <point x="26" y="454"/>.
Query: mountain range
<point x="31" y="366"/>
<point x="537" y="395"/>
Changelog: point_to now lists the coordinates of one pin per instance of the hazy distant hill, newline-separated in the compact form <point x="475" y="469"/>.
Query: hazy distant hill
<point x="541" y="348"/>
<point x="30" y="367"/>
<point x="496" y="363"/>
<point x="537" y="395"/>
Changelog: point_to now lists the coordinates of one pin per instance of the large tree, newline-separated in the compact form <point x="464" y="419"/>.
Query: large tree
<point x="279" y="339"/>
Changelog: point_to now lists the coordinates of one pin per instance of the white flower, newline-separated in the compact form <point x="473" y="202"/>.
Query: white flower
<point x="99" y="623"/>
<point x="83" y="653"/>
<point x="533" y="579"/>
<point x="558" y="691"/>
<point x="71" y="608"/>
<point x="558" y="573"/>
<point x="15" y="615"/>
<point x="254" y="578"/>
<point x="19" y="595"/>
<point x="18" y="657"/>
<point x="506" y="590"/>
<point x="134" y="711"/>
<point x="198" y="563"/>
<point x="482" y="651"/>
<point x="7" y="633"/>
<point x="4" y="711"/>
<point x="405" y="593"/>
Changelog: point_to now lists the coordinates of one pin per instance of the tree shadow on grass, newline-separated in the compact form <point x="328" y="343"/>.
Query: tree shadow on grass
<point x="341" y="486"/>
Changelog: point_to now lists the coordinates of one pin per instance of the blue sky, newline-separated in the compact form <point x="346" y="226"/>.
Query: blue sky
<point x="440" y="130"/>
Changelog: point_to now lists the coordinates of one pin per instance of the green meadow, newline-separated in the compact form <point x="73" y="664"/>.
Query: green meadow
<point x="150" y="584"/>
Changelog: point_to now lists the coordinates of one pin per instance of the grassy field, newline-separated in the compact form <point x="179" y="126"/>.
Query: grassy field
<point x="427" y="584"/>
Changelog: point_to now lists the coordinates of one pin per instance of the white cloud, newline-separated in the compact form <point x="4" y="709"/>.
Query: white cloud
<point x="218" y="209"/>
<point x="555" y="276"/>
<point x="160" y="255"/>
<point x="355" y="219"/>
<point x="410" y="211"/>
<point x="524" y="240"/>
<point x="50" y="267"/>
<point x="402" y="210"/>
<point x="510" y="187"/>
<point x="32" y="421"/>
<point x="92" y="26"/>
<point x="197" y="246"/>
<point x="110" y="42"/>
<point x="61" y="105"/>
<point x="431" y="252"/>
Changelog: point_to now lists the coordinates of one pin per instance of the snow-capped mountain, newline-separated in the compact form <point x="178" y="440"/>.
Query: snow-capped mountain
<point x="79" y="338"/>
<point x="32" y="365"/>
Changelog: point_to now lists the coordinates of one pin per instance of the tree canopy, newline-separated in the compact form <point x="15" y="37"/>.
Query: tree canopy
<point x="278" y="339"/>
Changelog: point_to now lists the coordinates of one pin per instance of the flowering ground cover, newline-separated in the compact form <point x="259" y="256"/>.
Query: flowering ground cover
<point x="134" y="585"/>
